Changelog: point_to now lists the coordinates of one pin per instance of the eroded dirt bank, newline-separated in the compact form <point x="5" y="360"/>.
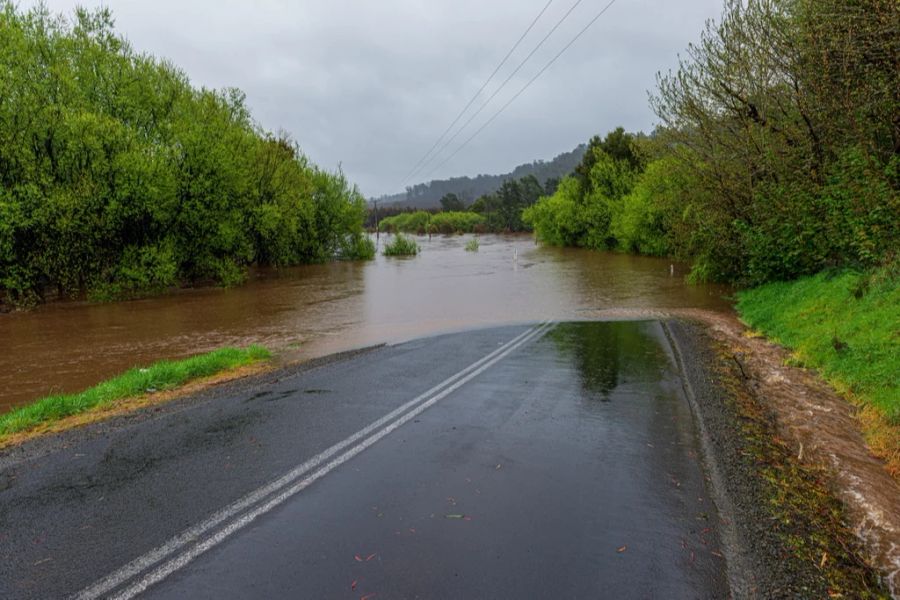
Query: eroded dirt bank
<point x="822" y="430"/>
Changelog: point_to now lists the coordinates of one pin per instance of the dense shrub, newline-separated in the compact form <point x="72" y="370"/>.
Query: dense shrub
<point x="118" y="177"/>
<point x="424" y="222"/>
<point x="791" y="111"/>
<point x="503" y="209"/>
<point x="581" y="211"/>
<point x="456" y="222"/>
<point x="410" y="222"/>
<point x="779" y="154"/>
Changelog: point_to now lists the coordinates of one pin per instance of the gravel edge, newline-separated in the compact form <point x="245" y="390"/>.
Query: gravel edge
<point x="760" y="562"/>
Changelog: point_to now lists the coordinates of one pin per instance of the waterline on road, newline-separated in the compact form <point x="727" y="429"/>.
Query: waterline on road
<point x="376" y="431"/>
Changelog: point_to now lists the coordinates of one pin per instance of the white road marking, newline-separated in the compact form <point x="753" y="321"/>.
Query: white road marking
<point x="419" y="404"/>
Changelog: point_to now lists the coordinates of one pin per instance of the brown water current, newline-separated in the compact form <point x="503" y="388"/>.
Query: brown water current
<point x="310" y="311"/>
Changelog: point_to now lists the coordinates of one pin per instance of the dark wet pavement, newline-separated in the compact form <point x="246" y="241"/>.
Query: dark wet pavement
<point x="567" y="469"/>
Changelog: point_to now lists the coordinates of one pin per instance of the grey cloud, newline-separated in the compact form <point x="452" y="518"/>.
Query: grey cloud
<point x="370" y="85"/>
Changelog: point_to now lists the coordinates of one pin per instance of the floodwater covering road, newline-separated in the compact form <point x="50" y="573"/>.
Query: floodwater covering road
<point x="311" y="311"/>
<point x="554" y="460"/>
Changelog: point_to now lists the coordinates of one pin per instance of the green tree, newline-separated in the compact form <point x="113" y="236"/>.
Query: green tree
<point x="791" y="110"/>
<point x="119" y="178"/>
<point x="451" y="202"/>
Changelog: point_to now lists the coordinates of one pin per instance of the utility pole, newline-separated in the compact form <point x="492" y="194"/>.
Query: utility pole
<point x="377" y="232"/>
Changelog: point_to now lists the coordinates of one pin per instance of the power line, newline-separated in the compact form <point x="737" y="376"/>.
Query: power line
<point x="478" y="93"/>
<point x="525" y="87"/>
<point x="502" y="85"/>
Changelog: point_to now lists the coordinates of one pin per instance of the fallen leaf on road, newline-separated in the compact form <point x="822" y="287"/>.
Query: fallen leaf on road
<point x="353" y="585"/>
<point x="622" y="549"/>
<point x="358" y="557"/>
<point x="370" y="557"/>
<point x="454" y="516"/>
<point x="367" y="596"/>
<point x="497" y="468"/>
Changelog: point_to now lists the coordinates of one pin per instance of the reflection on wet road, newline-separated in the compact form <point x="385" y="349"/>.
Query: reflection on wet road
<point x="564" y="463"/>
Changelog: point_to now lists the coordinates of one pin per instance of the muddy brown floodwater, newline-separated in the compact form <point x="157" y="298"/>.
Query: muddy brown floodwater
<point x="310" y="311"/>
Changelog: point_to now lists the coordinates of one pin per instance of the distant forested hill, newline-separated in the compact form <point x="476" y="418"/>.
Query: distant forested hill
<point x="469" y="189"/>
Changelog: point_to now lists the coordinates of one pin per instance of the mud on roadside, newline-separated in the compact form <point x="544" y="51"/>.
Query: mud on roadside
<point x="833" y="508"/>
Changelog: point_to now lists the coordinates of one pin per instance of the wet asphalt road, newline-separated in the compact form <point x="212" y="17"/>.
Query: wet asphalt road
<point x="565" y="465"/>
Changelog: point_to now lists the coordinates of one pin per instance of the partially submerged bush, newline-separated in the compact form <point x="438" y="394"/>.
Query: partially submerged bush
<point x="401" y="246"/>
<point x="358" y="247"/>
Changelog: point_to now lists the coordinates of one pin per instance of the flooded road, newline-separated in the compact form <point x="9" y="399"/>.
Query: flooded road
<point x="310" y="311"/>
<point x="536" y="461"/>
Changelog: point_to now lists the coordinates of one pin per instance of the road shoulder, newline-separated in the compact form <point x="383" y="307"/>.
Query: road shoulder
<point x="789" y="533"/>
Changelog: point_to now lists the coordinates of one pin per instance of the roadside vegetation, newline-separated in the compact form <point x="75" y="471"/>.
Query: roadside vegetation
<point x="120" y="178"/>
<point x="401" y="246"/>
<point x="160" y="376"/>
<point x="845" y="324"/>
<point x="778" y="154"/>
<point x="776" y="164"/>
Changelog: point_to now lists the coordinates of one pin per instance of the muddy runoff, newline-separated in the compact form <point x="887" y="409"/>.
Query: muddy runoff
<point x="311" y="311"/>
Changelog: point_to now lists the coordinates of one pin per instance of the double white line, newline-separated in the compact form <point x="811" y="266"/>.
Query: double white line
<point x="191" y="543"/>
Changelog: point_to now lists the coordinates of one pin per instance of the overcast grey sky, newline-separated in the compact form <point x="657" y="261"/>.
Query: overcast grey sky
<point x="371" y="85"/>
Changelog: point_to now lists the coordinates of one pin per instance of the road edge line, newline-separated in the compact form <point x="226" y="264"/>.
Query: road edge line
<point x="736" y="561"/>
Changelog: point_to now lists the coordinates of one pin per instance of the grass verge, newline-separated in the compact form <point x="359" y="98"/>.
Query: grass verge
<point x="160" y="376"/>
<point x="847" y="326"/>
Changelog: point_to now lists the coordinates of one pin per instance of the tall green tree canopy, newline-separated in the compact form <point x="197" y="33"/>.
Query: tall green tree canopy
<point x="778" y="153"/>
<point x="118" y="177"/>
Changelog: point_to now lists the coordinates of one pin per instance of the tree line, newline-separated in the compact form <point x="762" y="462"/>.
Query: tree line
<point x="118" y="177"/>
<point x="778" y="153"/>
<point x="427" y="196"/>
<point x="498" y="212"/>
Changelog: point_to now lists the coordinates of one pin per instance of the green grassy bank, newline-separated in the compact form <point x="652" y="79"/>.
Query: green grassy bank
<point x="159" y="376"/>
<point x="847" y="326"/>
